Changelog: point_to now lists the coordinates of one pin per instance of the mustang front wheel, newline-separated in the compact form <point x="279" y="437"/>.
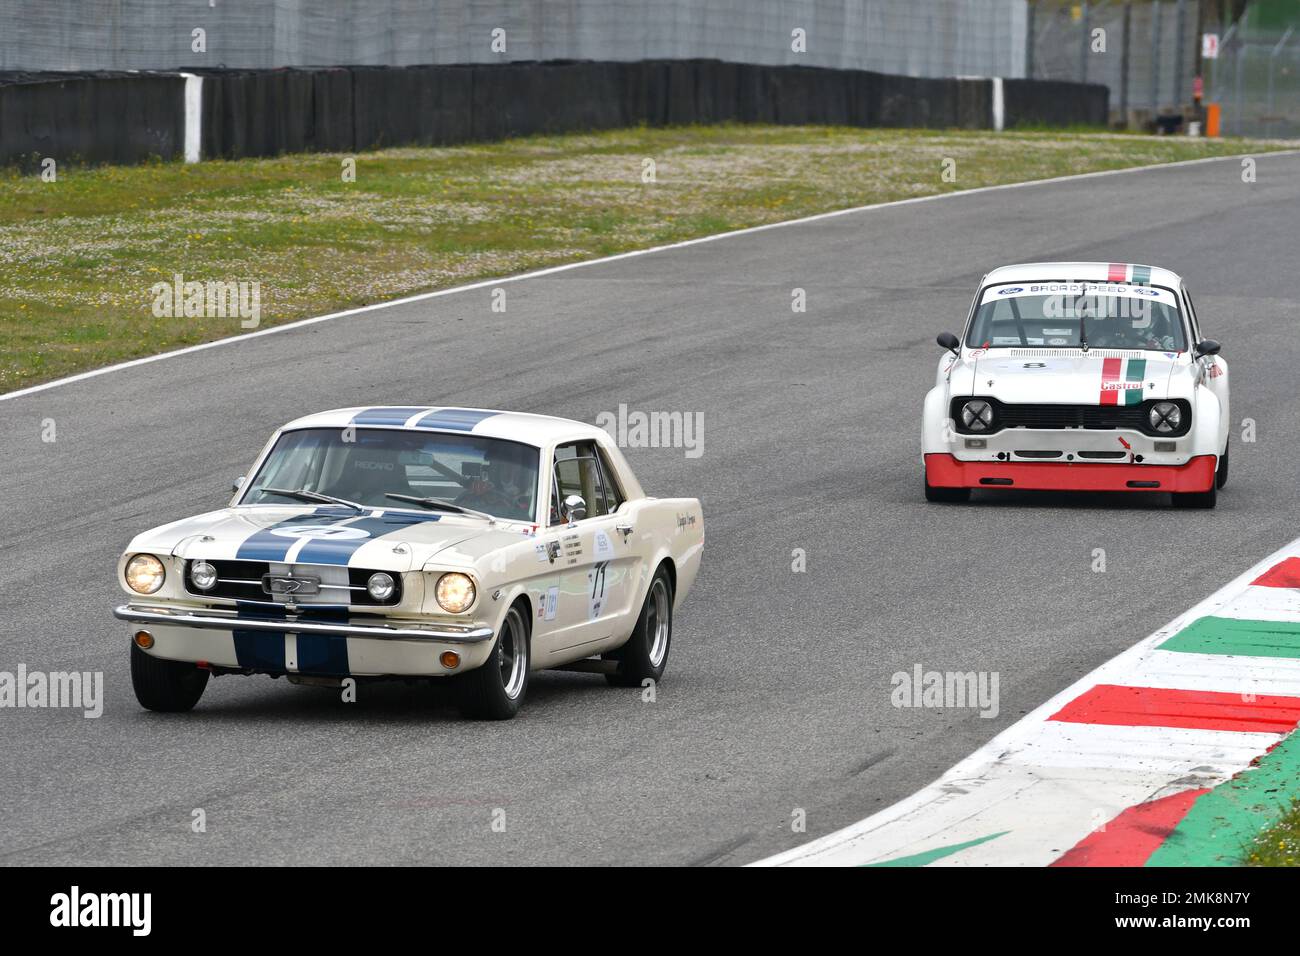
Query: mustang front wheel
<point x="495" y="690"/>
<point x="645" y="655"/>
<point x="167" y="686"/>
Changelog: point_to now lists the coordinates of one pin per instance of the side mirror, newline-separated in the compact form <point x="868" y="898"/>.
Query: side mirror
<point x="237" y="483"/>
<point x="949" y="341"/>
<point x="574" y="508"/>
<point x="1207" y="347"/>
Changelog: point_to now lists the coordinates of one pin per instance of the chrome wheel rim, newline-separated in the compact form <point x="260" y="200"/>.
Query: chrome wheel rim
<point x="512" y="655"/>
<point x="658" y="622"/>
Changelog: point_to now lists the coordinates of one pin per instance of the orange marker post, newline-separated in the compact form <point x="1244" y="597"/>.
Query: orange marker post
<point x="1212" y="120"/>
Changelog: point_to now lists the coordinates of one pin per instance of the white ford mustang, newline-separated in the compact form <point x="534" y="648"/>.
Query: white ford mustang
<point x="416" y="542"/>
<point x="1079" y="376"/>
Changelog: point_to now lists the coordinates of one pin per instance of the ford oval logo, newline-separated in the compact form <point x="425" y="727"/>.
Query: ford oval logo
<point x="1012" y="291"/>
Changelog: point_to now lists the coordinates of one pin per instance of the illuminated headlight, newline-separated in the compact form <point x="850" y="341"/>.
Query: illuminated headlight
<point x="381" y="586"/>
<point x="145" y="574"/>
<point x="455" y="592"/>
<point x="977" y="415"/>
<point x="1165" y="417"/>
<point x="203" y="575"/>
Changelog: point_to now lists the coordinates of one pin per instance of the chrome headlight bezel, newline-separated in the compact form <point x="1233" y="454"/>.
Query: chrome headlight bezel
<point x="201" y="571"/>
<point x="139" y="570"/>
<point x="452" y="584"/>
<point x="381" y="586"/>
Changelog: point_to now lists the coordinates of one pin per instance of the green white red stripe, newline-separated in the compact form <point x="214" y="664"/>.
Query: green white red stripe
<point x="1122" y="381"/>
<point x="1125" y="272"/>
<point x="1173" y="753"/>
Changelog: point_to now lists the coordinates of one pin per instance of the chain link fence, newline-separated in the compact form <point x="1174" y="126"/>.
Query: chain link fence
<point x="933" y="38"/>
<point x="1256" y="81"/>
<point x="1145" y="51"/>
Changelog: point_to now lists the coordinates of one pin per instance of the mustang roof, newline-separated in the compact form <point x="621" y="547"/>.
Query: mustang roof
<point x="515" y="426"/>
<point x="1087" y="271"/>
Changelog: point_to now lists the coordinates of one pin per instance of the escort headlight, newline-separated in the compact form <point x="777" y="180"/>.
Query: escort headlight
<point x="977" y="415"/>
<point x="381" y="586"/>
<point x="1165" y="417"/>
<point x="455" y="592"/>
<point x="203" y="575"/>
<point x="145" y="574"/>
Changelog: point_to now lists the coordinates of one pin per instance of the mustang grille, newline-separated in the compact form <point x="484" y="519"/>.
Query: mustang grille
<point x="242" y="581"/>
<point x="1099" y="417"/>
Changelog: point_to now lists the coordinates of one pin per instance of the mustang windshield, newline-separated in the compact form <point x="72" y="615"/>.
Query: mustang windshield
<point x="1073" y="315"/>
<point x="491" y="475"/>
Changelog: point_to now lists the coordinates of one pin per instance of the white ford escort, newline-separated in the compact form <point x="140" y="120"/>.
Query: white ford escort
<point x="416" y="542"/>
<point x="1079" y="376"/>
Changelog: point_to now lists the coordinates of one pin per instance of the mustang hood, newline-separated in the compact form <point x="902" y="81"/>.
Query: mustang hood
<point x="379" y="539"/>
<point x="1078" y="378"/>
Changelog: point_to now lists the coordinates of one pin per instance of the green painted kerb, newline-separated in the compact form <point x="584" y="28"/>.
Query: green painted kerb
<point x="929" y="856"/>
<point x="1222" y="823"/>
<point x="1225" y="635"/>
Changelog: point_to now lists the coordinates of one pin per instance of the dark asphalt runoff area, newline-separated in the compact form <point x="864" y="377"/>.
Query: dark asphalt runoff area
<point x="777" y="695"/>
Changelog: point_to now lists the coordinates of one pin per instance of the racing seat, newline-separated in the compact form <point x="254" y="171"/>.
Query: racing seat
<point x="370" y="473"/>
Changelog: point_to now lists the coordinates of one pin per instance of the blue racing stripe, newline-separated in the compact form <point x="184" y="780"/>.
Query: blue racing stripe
<point x="332" y="550"/>
<point x="325" y="654"/>
<point x="259" y="650"/>
<point x="388" y="415"/>
<point x="453" y="419"/>
<point x="264" y="545"/>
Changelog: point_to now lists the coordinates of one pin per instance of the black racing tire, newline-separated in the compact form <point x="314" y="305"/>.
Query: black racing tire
<point x="170" y="687"/>
<point x="645" y="655"/>
<point x="946" y="495"/>
<point x="1221" y="475"/>
<point x="1196" y="499"/>
<point x="496" y="689"/>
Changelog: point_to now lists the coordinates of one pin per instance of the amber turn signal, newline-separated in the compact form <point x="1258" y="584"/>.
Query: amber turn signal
<point x="450" y="660"/>
<point x="143" y="640"/>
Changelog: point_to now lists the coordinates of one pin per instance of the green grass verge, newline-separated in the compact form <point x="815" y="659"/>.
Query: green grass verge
<point x="1279" y="845"/>
<point x="81" y="254"/>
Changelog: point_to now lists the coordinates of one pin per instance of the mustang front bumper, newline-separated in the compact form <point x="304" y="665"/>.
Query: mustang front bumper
<point x="946" y="471"/>
<point x="330" y="648"/>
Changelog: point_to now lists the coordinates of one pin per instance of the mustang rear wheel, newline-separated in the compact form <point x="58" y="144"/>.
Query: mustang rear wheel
<point x="952" y="495"/>
<point x="167" y="686"/>
<point x="495" y="690"/>
<point x="645" y="655"/>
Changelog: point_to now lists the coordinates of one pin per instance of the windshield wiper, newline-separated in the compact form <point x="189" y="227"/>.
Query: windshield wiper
<point x="302" y="494"/>
<point x="443" y="505"/>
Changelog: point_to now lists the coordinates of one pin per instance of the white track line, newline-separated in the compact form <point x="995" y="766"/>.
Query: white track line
<point x="553" y="270"/>
<point x="1096" y="771"/>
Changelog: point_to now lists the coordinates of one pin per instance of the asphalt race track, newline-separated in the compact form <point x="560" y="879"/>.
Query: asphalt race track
<point x="777" y="695"/>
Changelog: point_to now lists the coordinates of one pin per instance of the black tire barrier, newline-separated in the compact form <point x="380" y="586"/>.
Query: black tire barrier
<point x="90" y="118"/>
<point x="125" y="118"/>
<point x="1055" y="103"/>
